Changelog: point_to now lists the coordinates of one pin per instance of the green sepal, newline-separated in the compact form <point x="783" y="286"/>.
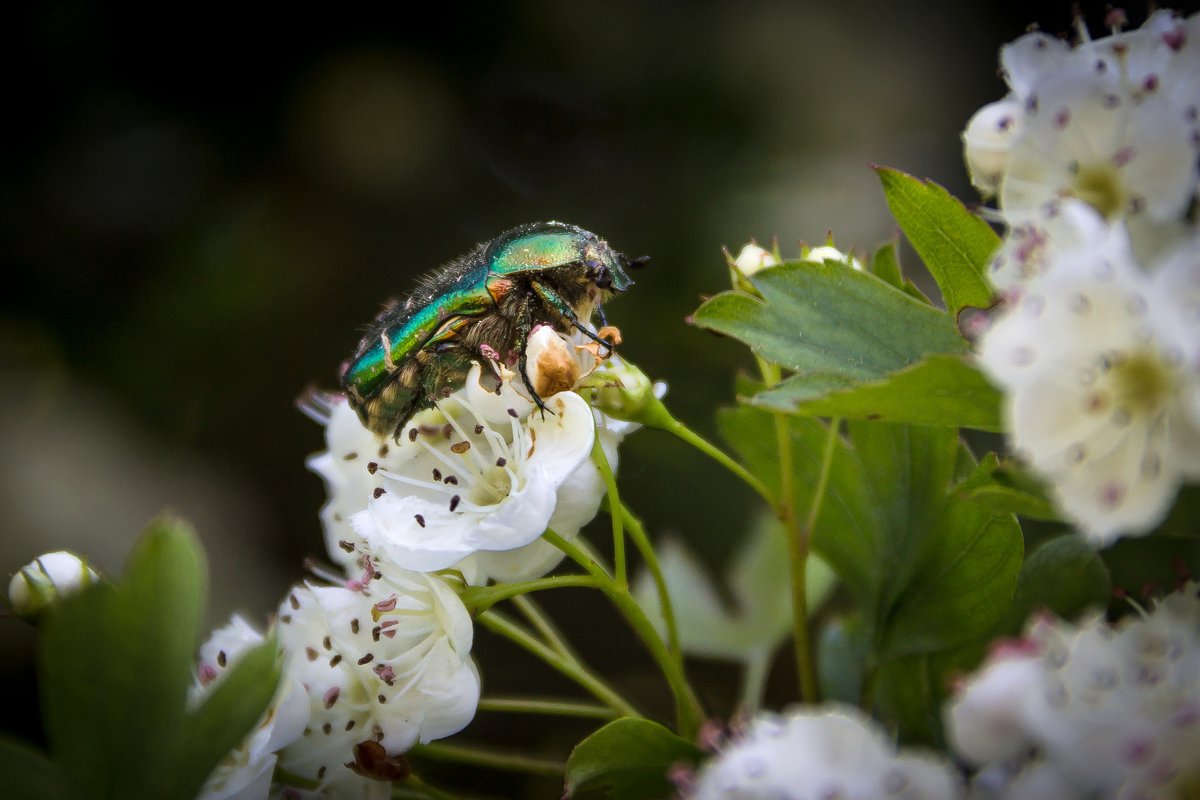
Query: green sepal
<point x="234" y="707"/>
<point x="630" y="759"/>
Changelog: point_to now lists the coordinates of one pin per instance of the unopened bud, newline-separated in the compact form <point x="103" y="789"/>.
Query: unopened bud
<point x="753" y="259"/>
<point x="987" y="141"/>
<point x="622" y="391"/>
<point x="552" y="366"/>
<point x="47" y="579"/>
<point x="819" y="255"/>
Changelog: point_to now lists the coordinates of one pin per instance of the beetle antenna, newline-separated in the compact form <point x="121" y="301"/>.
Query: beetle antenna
<point x="635" y="263"/>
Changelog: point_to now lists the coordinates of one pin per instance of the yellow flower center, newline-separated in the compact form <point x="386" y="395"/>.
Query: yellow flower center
<point x="1099" y="185"/>
<point x="1143" y="382"/>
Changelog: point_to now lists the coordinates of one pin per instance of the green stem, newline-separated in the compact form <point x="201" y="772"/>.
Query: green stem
<point x="799" y="556"/>
<point x="614" y="502"/>
<point x="544" y="625"/>
<point x="509" y="762"/>
<point x="677" y="428"/>
<point x="798" y="547"/>
<point x="415" y="784"/>
<point x="687" y="708"/>
<point x="642" y="542"/>
<point x="480" y="598"/>
<point x="540" y="706"/>
<point x="573" y="669"/>
<point x="798" y="542"/>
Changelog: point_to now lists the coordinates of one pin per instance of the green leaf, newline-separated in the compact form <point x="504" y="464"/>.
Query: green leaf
<point x="630" y="758"/>
<point x="829" y="320"/>
<point x="845" y="536"/>
<point x="1005" y="488"/>
<point x="908" y="694"/>
<point x="885" y="264"/>
<point x="955" y="244"/>
<point x="1065" y="576"/>
<point x="115" y="667"/>
<point x="962" y="586"/>
<point x="927" y="570"/>
<point x="841" y="656"/>
<point x="911" y="692"/>
<point x="228" y="714"/>
<point x="28" y="774"/>
<point x="942" y="390"/>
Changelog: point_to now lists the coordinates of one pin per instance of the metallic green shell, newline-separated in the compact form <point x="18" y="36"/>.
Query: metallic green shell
<point x="457" y="294"/>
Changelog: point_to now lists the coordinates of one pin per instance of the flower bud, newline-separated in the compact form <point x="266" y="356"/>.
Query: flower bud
<point x="45" y="580"/>
<point x="622" y="391"/>
<point x="819" y="255"/>
<point x="753" y="259"/>
<point x="552" y="366"/>
<point x="987" y="141"/>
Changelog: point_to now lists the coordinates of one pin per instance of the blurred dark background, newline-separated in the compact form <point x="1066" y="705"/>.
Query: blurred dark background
<point x="199" y="212"/>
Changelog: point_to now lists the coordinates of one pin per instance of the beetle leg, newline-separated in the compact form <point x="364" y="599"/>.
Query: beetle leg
<point x="524" y="325"/>
<point x="564" y="310"/>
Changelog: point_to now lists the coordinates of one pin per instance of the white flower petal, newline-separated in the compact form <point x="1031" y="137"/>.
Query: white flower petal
<point x="987" y="140"/>
<point x="390" y="662"/>
<point x="1093" y="356"/>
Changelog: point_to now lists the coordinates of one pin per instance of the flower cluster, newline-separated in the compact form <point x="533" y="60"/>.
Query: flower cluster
<point x="1088" y="710"/>
<point x="1093" y="160"/>
<point x="378" y="657"/>
<point x="820" y="753"/>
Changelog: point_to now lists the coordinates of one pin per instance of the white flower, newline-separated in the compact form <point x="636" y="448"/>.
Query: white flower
<point x="1112" y="121"/>
<point x="1096" y="710"/>
<point x="753" y="259"/>
<point x="821" y="753"/>
<point x="1082" y="139"/>
<point x="388" y="663"/>
<point x="245" y="774"/>
<point x="1100" y="364"/>
<point x="473" y="483"/>
<point x="479" y="486"/>
<point x="46" y="579"/>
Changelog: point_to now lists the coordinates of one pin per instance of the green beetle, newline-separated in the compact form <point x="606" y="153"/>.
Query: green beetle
<point x="483" y="303"/>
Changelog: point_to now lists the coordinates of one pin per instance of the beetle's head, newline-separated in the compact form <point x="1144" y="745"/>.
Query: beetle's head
<point x="606" y="268"/>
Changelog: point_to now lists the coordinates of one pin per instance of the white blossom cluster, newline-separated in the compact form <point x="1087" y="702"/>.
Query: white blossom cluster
<point x="1093" y="161"/>
<point x="1089" y="710"/>
<point x="809" y="753"/>
<point x="378" y="658"/>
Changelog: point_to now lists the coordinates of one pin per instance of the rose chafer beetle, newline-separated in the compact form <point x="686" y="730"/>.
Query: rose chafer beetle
<point x="484" y="303"/>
